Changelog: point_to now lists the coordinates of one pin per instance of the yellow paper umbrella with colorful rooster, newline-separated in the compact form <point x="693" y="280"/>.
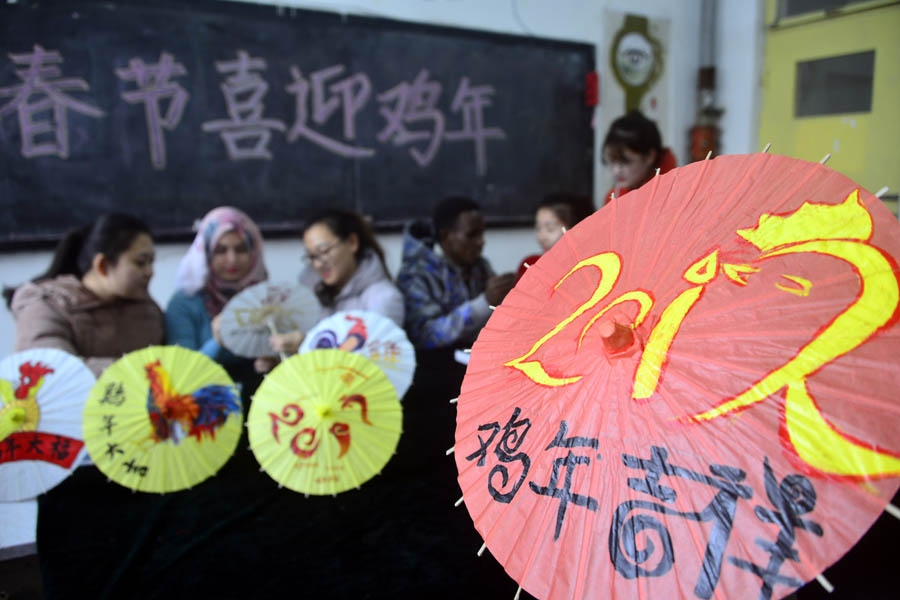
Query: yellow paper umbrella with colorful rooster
<point x="42" y="393"/>
<point x="162" y="419"/>
<point x="324" y="422"/>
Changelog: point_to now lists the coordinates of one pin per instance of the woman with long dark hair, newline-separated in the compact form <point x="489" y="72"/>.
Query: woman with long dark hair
<point x="346" y="269"/>
<point x="93" y="300"/>
<point x="633" y="150"/>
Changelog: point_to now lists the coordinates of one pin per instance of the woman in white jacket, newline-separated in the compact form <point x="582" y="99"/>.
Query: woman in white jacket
<point x="346" y="269"/>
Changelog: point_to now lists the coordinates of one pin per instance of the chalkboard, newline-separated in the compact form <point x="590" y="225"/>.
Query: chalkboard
<point x="168" y="109"/>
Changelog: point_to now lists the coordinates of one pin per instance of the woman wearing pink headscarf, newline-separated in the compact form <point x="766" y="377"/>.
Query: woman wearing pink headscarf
<point x="225" y="257"/>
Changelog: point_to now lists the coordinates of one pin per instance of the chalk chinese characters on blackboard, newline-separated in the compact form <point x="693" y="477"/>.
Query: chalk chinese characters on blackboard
<point x="41" y="104"/>
<point x="166" y="110"/>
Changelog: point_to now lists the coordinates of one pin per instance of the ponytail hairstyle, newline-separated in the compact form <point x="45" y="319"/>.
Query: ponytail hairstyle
<point x="633" y="132"/>
<point x="110" y="234"/>
<point x="343" y="224"/>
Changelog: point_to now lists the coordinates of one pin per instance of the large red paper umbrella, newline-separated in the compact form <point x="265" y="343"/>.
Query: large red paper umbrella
<point x="694" y="393"/>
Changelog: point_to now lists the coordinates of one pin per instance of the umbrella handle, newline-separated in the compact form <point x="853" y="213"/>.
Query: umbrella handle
<point x="271" y="323"/>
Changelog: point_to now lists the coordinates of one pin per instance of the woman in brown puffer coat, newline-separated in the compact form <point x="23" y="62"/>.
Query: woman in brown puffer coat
<point x="93" y="301"/>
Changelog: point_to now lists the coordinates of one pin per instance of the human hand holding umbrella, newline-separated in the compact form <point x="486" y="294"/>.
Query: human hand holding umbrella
<point x="263" y="310"/>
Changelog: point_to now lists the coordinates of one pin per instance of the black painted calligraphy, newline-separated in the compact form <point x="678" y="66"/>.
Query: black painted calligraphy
<point x="507" y="451"/>
<point x="629" y="560"/>
<point x="564" y="494"/>
<point x="794" y="496"/>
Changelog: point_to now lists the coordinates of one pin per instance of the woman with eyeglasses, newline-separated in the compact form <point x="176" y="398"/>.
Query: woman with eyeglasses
<point x="346" y="269"/>
<point x="225" y="257"/>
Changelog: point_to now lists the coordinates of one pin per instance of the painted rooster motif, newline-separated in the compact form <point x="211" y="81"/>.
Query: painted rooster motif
<point x="175" y="416"/>
<point x="18" y="402"/>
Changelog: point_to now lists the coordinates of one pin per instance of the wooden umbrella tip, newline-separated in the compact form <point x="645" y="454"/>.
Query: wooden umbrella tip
<point x="824" y="583"/>
<point x="618" y="339"/>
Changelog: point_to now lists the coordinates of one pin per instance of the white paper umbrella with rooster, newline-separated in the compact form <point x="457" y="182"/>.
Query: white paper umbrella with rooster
<point x="42" y="394"/>
<point x="374" y="336"/>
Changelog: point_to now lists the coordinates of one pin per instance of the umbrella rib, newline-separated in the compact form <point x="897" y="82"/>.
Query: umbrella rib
<point x="754" y="335"/>
<point x="815" y="167"/>
<point x="790" y="300"/>
<point x="478" y="416"/>
<point x="723" y="207"/>
<point x="521" y="532"/>
<point x="677" y="482"/>
<point x="611" y="239"/>
<point x="672" y="223"/>
<point x="639" y="234"/>
<point x="585" y="555"/>
<point x="757" y="375"/>
<point x="750" y="448"/>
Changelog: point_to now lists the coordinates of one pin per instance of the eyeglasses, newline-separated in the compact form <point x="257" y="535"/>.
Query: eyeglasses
<point x="323" y="255"/>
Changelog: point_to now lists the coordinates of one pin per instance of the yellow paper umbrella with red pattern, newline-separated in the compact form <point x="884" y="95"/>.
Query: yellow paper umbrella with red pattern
<point x="694" y="393"/>
<point x="324" y="422"/>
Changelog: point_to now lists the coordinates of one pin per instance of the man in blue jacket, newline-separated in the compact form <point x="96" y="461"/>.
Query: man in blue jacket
<point x="448" y="294"/>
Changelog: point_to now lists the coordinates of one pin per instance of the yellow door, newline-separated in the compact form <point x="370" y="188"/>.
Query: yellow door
<point x="831" y="85"/>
